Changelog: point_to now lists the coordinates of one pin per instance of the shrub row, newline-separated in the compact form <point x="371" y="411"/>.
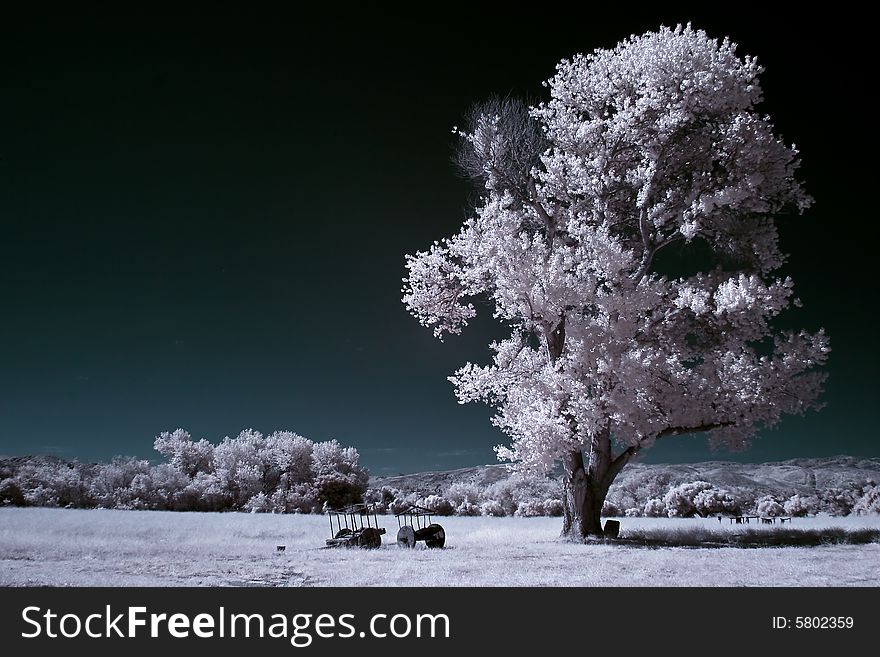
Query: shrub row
<point x="282" y="472"/>
<point x="520" y="496"/>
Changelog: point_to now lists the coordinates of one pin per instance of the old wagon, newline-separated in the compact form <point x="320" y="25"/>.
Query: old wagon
<point x="415" y="524"/>
<point x="355" y="526"/>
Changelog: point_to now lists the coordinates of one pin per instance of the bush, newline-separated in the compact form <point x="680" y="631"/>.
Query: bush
<point x="521" y="488"/>
<point x="111" y="483"/>
<point x="530" y="509"/>
<point x="504" y="493"/>
<point x="553" y="507"/>
<point x="401" y="504"/>
<point x="839" y="501"/>
<point x="679" y="501"/>
<point x="381" y="498"/>
<point x="388" y="495"/>
<point x="801" y="505"/>
<point x="284" y="473"/>
<point x="713" y="501"/>
<point x="636" y="490"/>
<point x="460" y="493"/>
<point x="338" y="492"/>
<point x="869" y="502"/>
<point x="492" y="508"/>
<point x="339" y="478"/>
<point x="769" y="506"/>
<point x="259" y="503"/>
<point x="56" y="484"/>
<point x="438" y="504"/>
<point x="468" y="509"/>
<point x="40" y="496"/>
<point x="204" y="493"/>
<point x="10" y="493"/>
<point x="655" y="508"/>
<point x="610" y="510"/>
<point x="158" y="488"/>
<point x="301" y="498"/>
<point x="633" y="512"/>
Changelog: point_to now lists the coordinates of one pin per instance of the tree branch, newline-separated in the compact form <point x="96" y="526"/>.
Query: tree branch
<point x="619" y="462"/>
<point x="643" y="229"/>
<point x="677" y="431"/>
<point x="531" y="199"/>
<point x="651" y="249"/>
<point x="555" y="338"/>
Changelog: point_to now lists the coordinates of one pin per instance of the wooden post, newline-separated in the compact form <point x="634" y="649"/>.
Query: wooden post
<point x="611" y="529"/>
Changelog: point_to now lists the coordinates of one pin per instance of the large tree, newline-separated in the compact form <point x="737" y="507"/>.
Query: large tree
<point x="653" y="146"/>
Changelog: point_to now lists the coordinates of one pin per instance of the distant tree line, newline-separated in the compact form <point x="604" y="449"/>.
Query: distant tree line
<point x="282" y="472"/>
<point x="286" y="473"/>
<point x="653" y="496"/>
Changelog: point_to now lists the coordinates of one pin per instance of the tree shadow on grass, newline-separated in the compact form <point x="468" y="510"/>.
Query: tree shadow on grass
<point x="701" y="537"/>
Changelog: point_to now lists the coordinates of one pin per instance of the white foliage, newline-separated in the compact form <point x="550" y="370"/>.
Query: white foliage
<point x="869" y="502"/>
<point x="158" y="488"/>
<point x="714" y="501"/>
<point x="492" y="508"/>
<point x="611" y="510"/>
<point x="801" y="505"/>
<point x="438" y="504"/>
<point x="840" y="500"/>
<point x="339" y="478"/>
<point x="653" y="142"/>
<point x="553" y="507"/>
<point x="509" y="493"/>
<point x="769" y="506"/>
<point x="680" y="501"/>
<point x="460" y="493"/>
<point x="281" y="473"/>
<point x="401" y="504"/>
<point x="240" y="466"/>
<point x="529" y="509"/>
<point x="111" y="485"/>
<point x="468" y="509"/>
<point x="183" y="452"/>
<point x="259" y="503"/>
<point x="655" y="508"/>
<point x="205" y="492"/>
<point x="291" y="456"/>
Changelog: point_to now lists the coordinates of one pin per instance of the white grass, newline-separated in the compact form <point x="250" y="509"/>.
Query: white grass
<point x="61" y="547"/>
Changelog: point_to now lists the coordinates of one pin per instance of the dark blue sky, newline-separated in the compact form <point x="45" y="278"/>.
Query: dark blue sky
<point x="204" y="219"/>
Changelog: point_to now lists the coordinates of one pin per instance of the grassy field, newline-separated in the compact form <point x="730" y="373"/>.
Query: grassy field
<point x="60" y="547"/>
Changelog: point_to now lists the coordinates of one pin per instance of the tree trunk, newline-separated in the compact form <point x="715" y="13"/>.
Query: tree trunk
<point x="575" y="489"/>
<point x="586" y="485"/>
<point x="584" y="495"/>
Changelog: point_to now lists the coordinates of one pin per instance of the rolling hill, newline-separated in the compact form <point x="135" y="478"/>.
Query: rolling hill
<point x="780" y="478"/>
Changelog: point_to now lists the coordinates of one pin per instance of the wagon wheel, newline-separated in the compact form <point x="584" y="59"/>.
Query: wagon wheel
<point x="370" y="538"/>
<point x="406" y="537"/>
<point x="345" y="531"/>
<point x="436" y="536"/>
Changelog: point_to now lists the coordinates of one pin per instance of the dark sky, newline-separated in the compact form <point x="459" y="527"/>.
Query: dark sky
<point x="204" y="216"/>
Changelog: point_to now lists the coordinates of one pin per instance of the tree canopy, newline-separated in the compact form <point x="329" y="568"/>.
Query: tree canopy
<point x="651" y="145"/>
